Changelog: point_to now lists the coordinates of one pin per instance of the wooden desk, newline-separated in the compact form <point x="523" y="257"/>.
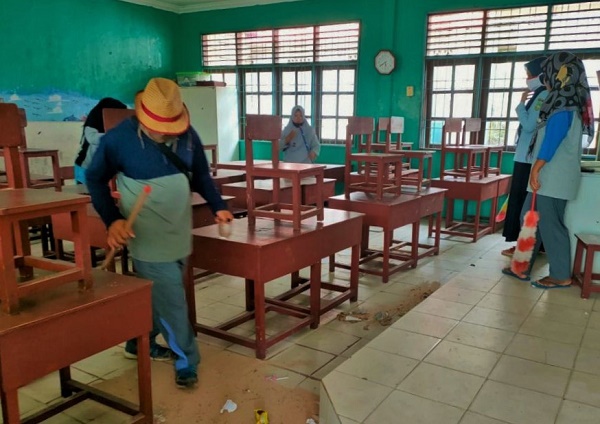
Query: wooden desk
<point x="271" y="250"/>
<point x="21" y="205"/>
<point x="263" y="191"/>
<point x="226" y="176"/>
<point x="335" y="171"/>
<point x="474" y="190"/>
<point x="239" y="165"/>
<point x="59" y="327"/>
<point x="389" y="213"/>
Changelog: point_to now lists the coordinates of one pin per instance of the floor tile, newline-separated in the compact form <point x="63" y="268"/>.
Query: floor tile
<point x="401" y="407"/>
<point x="215" y="292"/>
<point x="355" y="348"/>
<point x="495" y="319"/>
<point x="463" y="358"/>
<point x="543" y="350"/>
<point x="584" y="388"/>
<point x="220" y="312"/>
<point x="515" y="405"/>
<point x="511" y="304"/>
<point x="473" y="418"/>
<point x="442" y="384"/>
<point x="329" y="367"/>
<point x="430" y="325"/>
<point x="328" y="341"/>
<point x="556" y="331"/>
<point x="594" y="321"/>
<point x="591" y="339"/>
<point x="347" y="393"/>
<point x="471" y="283"/>
<point x="588" y="360"/>
<point x="577" y="413"/>
<point x="570" y="297"/>
<point x="531" y="375"/>
<point x="105" y="362"/>
<point x="379" y="367"/>
<point x="443" y="308"/>
<point x="560" y="313"/>
<point x="459" y="295"/>
<point x="511" y="287"/>
<point x="302" y="359"/>
<point x="403" y="343"/>
<point x="480" y="336"/>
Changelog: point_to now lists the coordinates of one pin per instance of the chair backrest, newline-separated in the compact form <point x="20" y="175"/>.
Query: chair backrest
<point x="471" y="131"/>
<point x="113" y="117"/>
<point x="11" y="137"/>
<point x="383" y="125"/>
<point x="452" y="132"/>
<point x="362" y="128"/>
<point x="262" y="127"/>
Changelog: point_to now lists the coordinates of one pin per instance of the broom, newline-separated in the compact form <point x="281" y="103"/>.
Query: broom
<point x="526" y="241"/>
<point x="502" y="214"/>
<point x="137" y="207"/>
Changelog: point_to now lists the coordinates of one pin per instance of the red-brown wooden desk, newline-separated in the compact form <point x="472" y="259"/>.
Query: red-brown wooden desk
<point x="335" y="171"/>
<point x="59" y="327"/>
<point x="270" y="251"/>
<point x="226" y="176"/>
<point x="21" y="205"/>
<point x="389" y="213"/>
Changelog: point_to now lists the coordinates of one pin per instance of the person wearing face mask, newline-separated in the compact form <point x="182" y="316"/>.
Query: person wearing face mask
<point x="299" y="141"/>
<point x="157" y="147"/>
<point x="528" y="111"/>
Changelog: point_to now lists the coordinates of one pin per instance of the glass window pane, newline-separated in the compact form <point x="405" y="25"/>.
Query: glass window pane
<point x="435" y="134"/>
<point x="330" y="78"/>
<point x="305" y="100"/>
<point x="347" y="80"/>
<point x="463" y="105"/>
<point x="305" y="81"/>
<point x="442" y="77"/>
<point x="252" y="104"/>
<point x="346" y="105"/>
<point x="515" y="100"/>
<point x="498" y="104"/>
<point x="287" y="103"/>
<point x="230" y="79"/>
<point x="495" y="132"/>
<point x="328" y="127"/>
<point x="342" y="124"/>
<point x="512" y="133"/>
<point x="440" y="105"/>
<point x="519" y="77"/>
<point x="266" y="82"/>
<point x="464" y="77"/>
<point x="500" y="75"/>
<point x="288" y="81"/>
<point x="329" y="105"/>
<point x="251" y="82"/>
<point x="266" y="104"/>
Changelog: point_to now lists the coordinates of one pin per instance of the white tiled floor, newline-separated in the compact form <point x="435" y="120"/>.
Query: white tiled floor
<point x="482" y="349"/>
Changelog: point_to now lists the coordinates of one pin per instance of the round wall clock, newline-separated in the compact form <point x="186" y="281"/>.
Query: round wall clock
<point x="385" y="62"/>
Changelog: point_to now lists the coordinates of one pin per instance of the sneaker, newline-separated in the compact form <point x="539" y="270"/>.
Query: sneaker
<point x="157" y="353"/>
<point x="186" y="377"/>
<point x="508" y="252"/>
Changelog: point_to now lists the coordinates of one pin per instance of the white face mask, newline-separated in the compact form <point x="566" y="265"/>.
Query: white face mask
<point x="534" y="83"/>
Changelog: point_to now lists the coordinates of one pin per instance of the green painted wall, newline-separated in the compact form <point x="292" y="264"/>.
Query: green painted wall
<point x="96" y="48"/>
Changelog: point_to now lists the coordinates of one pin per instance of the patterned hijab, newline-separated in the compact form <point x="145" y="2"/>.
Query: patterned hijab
<point x="570" y="90"/>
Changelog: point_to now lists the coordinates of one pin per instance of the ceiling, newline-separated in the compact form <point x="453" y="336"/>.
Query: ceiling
<point x="188" y="6"/>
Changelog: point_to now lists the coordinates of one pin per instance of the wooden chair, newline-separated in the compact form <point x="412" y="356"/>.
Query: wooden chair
<point x="373" y="168"/>
<point x="465" y="156"/>
<point x="113" y="117"/>
<point x="583" y="269"/>
<point x="471" y="132"/>
<point x="212" y="149"/>
<point x="268" y="128"/>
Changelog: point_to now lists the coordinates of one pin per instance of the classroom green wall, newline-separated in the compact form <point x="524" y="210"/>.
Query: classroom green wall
<point x="96" y="48"/>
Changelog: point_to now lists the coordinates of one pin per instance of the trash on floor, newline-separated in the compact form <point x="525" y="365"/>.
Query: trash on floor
<point x="355" y="316"/>
<point x="261" y="416"/>
<point x="230" y="406"/>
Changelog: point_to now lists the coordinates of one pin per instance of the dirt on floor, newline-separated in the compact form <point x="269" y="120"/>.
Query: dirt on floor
<point x="246" y="381"/>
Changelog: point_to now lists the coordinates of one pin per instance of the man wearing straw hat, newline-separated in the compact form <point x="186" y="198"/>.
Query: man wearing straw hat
<point x="158" y="148"/>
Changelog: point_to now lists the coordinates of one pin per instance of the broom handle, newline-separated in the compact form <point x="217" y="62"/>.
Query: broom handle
<point x="137" y="207"/>
<point x="533" y="200"/>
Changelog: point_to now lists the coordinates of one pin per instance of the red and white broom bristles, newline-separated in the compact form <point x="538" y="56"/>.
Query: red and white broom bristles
<point x="526" y="241"/>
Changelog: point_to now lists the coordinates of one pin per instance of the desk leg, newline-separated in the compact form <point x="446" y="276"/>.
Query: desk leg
<point x="387" y="241"/>
<point x="354" y="273"/>
<point x="332" y="263"/>
<point x="476" y="223"/>
<point x="414" y="249"/>
<point x="296" y="280"/>
<point x="315" y="294"/>
<point x="10" y="406"/>
<point x="64" y="375"/>
<point x="259" y="319"/>
<point x="249" y="295"/>
<point x="438" y="230"/>
<point x="144" y="379"/>
<point x="8" y="288"/>
<point x="83" y="259"/>
<point x="365" y="241"/>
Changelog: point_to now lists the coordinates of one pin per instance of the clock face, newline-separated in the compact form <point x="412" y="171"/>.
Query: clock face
<point x="385" y="62"/>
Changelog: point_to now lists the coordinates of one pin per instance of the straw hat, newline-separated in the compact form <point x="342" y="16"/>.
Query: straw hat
<point x="160" y="108"/>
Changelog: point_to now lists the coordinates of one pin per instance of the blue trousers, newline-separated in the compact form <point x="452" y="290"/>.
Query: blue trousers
<point x="553" y="233"/>
<point x="169" y="309"/>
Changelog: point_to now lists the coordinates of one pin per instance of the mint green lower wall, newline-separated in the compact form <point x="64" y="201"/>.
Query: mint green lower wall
<point x="335" y="154"/>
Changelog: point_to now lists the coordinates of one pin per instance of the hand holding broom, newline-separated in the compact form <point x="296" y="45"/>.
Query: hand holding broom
<point x="137" y="207"/>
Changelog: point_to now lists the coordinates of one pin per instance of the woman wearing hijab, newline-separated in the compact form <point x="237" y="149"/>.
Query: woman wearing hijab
<point x="528" y="111"/>
<point x="299" y="141"/>
<point x="93" y="130"/>
<point x="555" y="174"/>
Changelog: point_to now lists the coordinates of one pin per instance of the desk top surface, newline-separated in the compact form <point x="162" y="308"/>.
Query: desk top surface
<point x="13" y="202"/>
<point x="67" y="298"/>
<point x="284" y="183"/>
<point x="389" y="199"/>
<point x="267" y="231"/>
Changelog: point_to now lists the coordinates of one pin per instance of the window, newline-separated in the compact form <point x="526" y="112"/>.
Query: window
<point x="475" y="62"/>
<point x="276" y="69"/>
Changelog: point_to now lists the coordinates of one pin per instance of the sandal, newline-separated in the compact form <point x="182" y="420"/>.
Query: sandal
<point x="548" y="283"/>
<point x="508" y="252"/>
<point x="510" y="273"/>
